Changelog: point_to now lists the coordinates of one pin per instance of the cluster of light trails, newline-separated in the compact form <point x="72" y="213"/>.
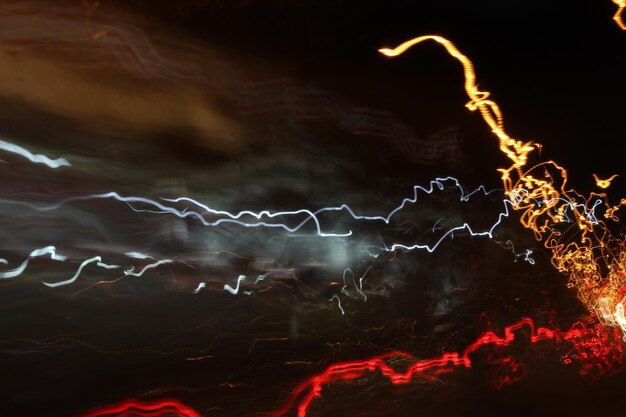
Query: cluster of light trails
<point x="595" y="261"/>
<point x="51" y="250"/>
<point x="291" y="221"/>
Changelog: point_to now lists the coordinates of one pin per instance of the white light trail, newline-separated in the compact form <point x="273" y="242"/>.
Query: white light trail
<point x="38" y="159"/>
<point x="48" y="250"/>
<point x="235" y="291"/>
<point x="96" y="259"/>
<point x="132" y="272"/>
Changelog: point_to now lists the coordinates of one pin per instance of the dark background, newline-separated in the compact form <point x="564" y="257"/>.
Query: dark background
<point x="555" y="68"/>
<point x="557" y="71"/>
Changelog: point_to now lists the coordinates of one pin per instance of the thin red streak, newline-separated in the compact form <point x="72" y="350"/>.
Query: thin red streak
<point x="146" y="409"/>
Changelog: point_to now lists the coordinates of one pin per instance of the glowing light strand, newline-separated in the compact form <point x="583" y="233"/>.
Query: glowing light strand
<point x="51" y="250"/>
<point x="621" y="5"/>
<point x="163" y="407"/>
<point x="35" y="158"/>
<point x="48" y="250"/>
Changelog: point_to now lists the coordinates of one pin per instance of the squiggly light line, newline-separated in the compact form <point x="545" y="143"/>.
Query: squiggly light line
<point x="131" y="272"/>
<point x="336" y="297"/>
<point x="162" y="407"/>
<point x="51" y="250"/>
<point x="310" y="215"/>
<point x="86" y="262"/>
<point x="48" y="250"/>
<point x="37" y="159"/>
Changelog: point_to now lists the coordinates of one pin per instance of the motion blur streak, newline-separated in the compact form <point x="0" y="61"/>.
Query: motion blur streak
<point x="621" y="4"/>
<point x="597" y="347"/>
<point x="595" y="262"/>
<point x="165" y="407"/>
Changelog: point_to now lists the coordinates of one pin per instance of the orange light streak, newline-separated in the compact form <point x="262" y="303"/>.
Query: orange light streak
<point x="604" y="183"/>
<point x="593" y="259"/>
<point x="621" y="5"/>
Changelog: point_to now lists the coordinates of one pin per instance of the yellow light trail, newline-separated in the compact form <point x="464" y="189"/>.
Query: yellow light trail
<point x="563" y="220"/>
<point x="621" y="5"/>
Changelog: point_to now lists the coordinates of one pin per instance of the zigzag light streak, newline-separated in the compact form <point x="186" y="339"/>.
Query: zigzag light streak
<point x="51" y="250"/>
<point x="310" y="216"/>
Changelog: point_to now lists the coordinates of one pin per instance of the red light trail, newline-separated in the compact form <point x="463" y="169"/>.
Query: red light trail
<point x="163" y="407"/>
<point x="598" y="348"/>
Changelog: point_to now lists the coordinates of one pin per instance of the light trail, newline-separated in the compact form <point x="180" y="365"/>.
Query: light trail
<point x="596" y="263"/>
<point x="604" y="183"/>
<point x="48" y="250"/>
<point x="131" y="272"/>
<point x="235" y="291"/>
<point x="199" y="288"/>
<point x="590" y="345"/>
<point x="95" y="259"/>
<point x="336" y="297"/>
<point x="439" y="184"/>
<point x="621" y="5"/>
<point x="35" y="158"/>
<point x="163" y="407"/>
<point x="51" y="250"/>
